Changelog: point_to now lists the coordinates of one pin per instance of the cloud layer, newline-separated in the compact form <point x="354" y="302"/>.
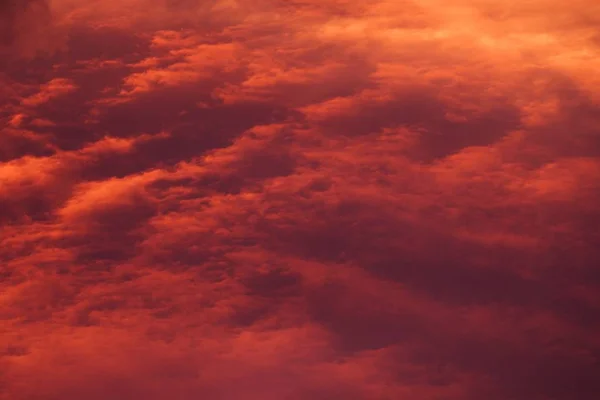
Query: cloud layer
<point x="299" y="200"/>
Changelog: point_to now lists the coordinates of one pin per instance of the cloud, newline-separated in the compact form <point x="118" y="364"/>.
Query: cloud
<point x="54" y="88"/>
<point x="28" y="27"/>
<point x="301" y="199"/>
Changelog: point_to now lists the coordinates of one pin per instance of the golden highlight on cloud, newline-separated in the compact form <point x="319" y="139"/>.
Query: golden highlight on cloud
<point x="299" y="200"/>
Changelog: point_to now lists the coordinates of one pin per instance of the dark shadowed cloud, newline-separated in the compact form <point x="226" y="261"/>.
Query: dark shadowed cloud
<point x="28" y="27"/>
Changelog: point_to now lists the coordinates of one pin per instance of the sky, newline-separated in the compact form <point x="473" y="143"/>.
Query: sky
<point x="299" y="199"/>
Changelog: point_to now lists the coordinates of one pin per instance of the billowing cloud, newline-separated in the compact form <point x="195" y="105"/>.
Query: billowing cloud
<point x="301" y="200"/>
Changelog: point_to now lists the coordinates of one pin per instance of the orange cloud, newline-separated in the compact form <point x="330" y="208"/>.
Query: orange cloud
<point x="50" y="90"/>
<point x="302" y="199"/>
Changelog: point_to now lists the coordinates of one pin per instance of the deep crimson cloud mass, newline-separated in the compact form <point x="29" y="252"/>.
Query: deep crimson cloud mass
<point x="270" y="200"/>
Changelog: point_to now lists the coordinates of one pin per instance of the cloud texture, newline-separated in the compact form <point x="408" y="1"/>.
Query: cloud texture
<point x="299" y="200"/>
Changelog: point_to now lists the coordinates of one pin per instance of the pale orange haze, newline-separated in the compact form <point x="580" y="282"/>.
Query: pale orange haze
<point x="300" y="200"/>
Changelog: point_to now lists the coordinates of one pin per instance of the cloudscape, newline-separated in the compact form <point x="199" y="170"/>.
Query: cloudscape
<point x="299" y="200"/>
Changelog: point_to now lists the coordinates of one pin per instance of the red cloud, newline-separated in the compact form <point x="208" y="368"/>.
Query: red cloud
<point x="28" y="27"/>
<point x="302" y="199"/>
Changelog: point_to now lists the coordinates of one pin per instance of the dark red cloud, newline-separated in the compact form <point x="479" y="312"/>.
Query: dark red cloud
<point x="27" y="28"/>
<point x="299" y="200"/>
